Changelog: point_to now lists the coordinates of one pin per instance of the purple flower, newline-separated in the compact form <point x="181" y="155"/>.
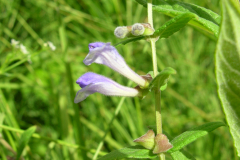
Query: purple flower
<point x="92" y="82"/>
<point x="91" y="46"/>
<point x="104" y="53"/>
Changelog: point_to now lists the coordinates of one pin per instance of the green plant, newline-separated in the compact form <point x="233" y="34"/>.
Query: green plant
<point x="36" y="86"/>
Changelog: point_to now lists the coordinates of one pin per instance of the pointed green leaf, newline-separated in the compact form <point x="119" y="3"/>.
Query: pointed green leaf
<point x="205" y="20"/>
<point x="24" y="139"/>
<point x="189" y="136"/>
<point x="228" y="67"/>
<point x="162" y="88"/>
<point x="161" y="79"/>
<point x="129" y="40"/>
<point x="129" y="152"/>
<point x="181" y="155"/>
<point x="173" y="25"/>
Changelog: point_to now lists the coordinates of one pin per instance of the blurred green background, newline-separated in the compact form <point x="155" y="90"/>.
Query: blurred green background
<point x="40" y="92"/>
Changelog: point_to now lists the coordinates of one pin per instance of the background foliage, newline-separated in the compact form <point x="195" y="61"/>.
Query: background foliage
<point x="41" y="93"/>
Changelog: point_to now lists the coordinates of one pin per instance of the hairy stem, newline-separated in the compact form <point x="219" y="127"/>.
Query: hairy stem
<point x="155" y="72"/>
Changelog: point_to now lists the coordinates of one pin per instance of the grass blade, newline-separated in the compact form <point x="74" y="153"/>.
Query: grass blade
<point x="24" y="139"/>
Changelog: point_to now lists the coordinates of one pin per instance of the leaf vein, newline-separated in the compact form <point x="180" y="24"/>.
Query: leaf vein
<point x="221" y="55"/>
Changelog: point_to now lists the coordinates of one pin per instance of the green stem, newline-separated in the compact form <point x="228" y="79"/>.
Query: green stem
<point x="155" y="72"/>
<point x="158" y="111"/>
<point x="154" y="57"/>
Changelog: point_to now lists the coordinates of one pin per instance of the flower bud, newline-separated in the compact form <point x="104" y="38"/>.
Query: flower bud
<point x="162" y="144"/>
<point x="142" y="29"/>
<point x="122" y="31"/>
<point x="138" y="29"/>
<point x="148" y="29"/>
<point x="147" y="140"/>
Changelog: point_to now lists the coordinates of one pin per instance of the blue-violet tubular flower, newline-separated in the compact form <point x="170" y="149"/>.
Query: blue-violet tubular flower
<point x="92" y="82"/>
<point x="104" y="53"/>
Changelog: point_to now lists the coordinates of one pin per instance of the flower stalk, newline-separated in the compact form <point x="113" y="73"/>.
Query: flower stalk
<point x="155" y="72"/>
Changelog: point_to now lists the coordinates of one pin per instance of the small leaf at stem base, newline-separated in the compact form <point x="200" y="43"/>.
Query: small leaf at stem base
<point x="147" y="140"/>
<point x="162" y="144"/>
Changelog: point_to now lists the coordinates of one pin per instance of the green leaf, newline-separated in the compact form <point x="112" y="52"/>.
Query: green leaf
<point x="130" y="40"/>
<point x="24" y="139"/>
<point x="173" y="25"/>
<point x="129" y="152"/>
<point x="204" y="19"/>
<point x="228" y="67"/>
<point x="2" y="116"/>
<point x="189" y="136"/>
<point x="181" y="155"/>
<point x="163" y="87"/>
<point x="161" y="79"/>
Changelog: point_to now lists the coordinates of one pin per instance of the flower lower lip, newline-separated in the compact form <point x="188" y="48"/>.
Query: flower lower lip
<point x="92" y="82"/>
